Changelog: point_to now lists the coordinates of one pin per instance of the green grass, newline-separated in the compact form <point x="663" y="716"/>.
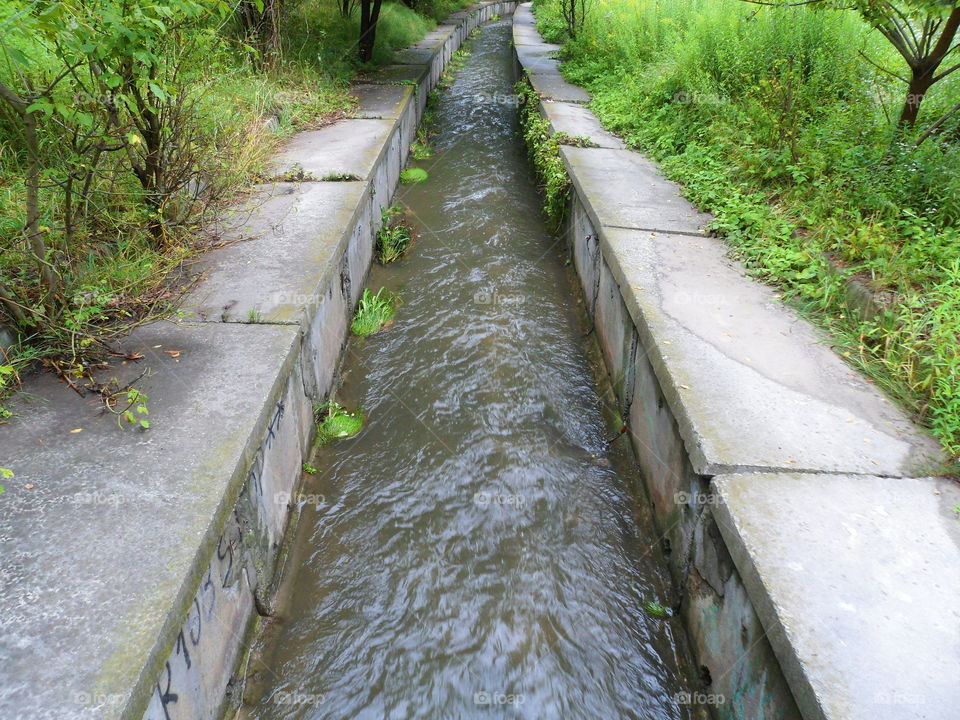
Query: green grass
<point x="394" y="237"/>
<point x="374" y="312"/>
<point x="772" y="120"/>
<point x="413" y="175"/>
<point x="543" y="150"/>
<point x="335" y="422"/>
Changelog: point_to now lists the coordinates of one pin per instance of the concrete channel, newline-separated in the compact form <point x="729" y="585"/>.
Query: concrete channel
<point x="813" y="551"/>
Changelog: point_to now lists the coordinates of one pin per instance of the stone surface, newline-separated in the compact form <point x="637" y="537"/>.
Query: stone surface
<point x="395" y="75"/>
<point x="856" y="580"/>
<point x="537" y="59"/>
<point x="750" y="383"/>
<point x="284" y="226"/>
<point x="621" y="188"/>
<point x="414" y="55"/>
<point x="381" y="101"/>
<point x="348" y="148"/>
<point x="549" y="84"/>
<point x="103" y="527"/>
<point x="578" y="121"/>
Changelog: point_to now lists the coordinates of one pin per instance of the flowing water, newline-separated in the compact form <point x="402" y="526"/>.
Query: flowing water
<point x="476" y="551"/>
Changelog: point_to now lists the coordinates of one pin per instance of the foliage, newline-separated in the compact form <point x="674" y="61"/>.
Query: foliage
<point x="136" y="412"/>
<point x="124" y="126"/>
<point x="412" y="176"/>
<point x="374" y="312"/>
<point x="652" y="607"/>
<point x="544" y="152"/>
<point x="335" y="422"/>
<point x="394" y="236"/>
<point x="773" y="120"/>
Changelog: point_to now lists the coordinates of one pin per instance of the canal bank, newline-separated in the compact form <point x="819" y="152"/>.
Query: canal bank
<point x="817" y="566"/>
<point x="134" y="563"/>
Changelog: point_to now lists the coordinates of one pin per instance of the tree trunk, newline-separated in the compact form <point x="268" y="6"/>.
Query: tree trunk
<point x="920" y="81"/>
<point x="369" y="15"/>
<point x="924" y="70"/>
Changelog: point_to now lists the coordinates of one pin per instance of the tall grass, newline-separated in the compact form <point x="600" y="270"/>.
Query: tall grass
<point x="772" y="119"/>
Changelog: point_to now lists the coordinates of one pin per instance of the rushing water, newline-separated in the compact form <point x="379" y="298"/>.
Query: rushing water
<point x="476" y="551"/>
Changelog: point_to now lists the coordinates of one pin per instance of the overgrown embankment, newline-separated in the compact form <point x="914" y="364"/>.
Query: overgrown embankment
<point x="125" y="125"/>
<point x="787" y="124"/>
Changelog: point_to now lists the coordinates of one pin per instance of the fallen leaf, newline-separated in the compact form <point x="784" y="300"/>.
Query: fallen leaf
<point x="76" y="430"/>
<point x="173" y="353"/>
<point x="29" y="486"/>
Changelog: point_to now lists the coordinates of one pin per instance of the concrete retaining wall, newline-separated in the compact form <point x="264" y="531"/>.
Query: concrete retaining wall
<point x="134" y="563"/>
<point x="754" y="439"/>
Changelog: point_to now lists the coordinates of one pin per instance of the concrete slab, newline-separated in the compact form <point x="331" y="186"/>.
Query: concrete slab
<point x="396" y="75"/>
<point x="523" y="15"/>
<point x="621" y="188"/>
<point x="380" y="101"/>
<point x="578" y="121"/>
<point x="856" y="581"/>
<point x="102" y="527"/>
<point x="537" y="59"/>
<point x="347" y="148"/>
<point x="524" y="34"/>
<point x="283" y="226"/>
<point x="752" y="385"/>
<point x="550" y="85"/>
<point x="414" y="56"/>
<point x="436" y="37"/>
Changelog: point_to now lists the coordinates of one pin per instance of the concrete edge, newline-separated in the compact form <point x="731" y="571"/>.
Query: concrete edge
<point x="779" y="636"/>
<point x="172" y="628"/>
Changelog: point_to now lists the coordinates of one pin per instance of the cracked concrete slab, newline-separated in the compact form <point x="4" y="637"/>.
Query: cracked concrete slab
<point x="621" y="188"/>
<point x="751" y="384"/>
<point x="350" y="147"/>
<point x="103" y="526"/>
<point x="856" y="581"/>
<point x="284" y="226"/>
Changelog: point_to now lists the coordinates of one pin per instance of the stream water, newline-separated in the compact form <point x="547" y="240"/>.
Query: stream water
<point x="476" y="551"/>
